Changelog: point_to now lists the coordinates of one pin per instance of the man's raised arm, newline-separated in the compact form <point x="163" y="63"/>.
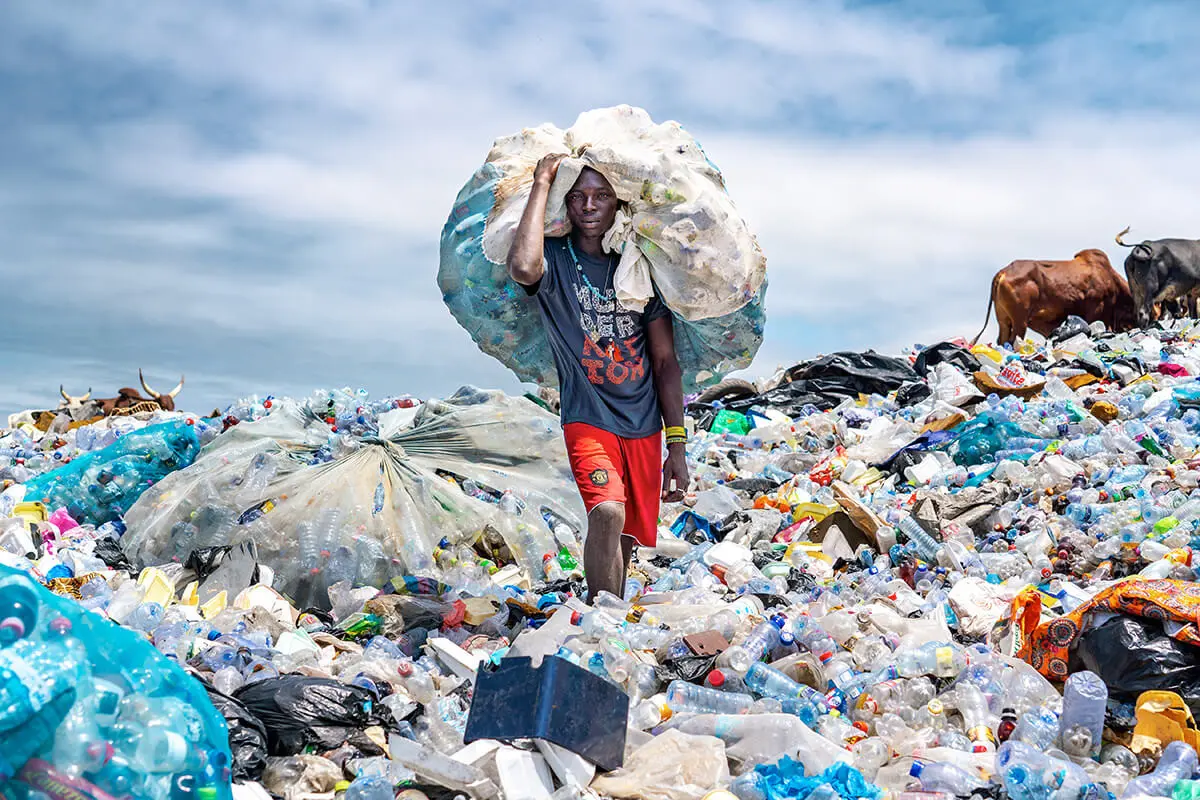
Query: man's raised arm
<point x="526" y="256"/>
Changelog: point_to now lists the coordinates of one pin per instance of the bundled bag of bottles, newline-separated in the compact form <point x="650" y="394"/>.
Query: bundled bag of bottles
<point x="101" y="486"/>
<point x="91" y="710"/>
<point x="373" y="503"/>
<point x="677" y="231"/>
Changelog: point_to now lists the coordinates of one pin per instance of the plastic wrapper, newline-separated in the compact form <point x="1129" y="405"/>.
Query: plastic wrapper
<point x="672" y="766"/>
<point x="94" y="707"/>
<point x="677" y="231"/>
<point x="380" y="507"/>
<point x="101" y="486"/>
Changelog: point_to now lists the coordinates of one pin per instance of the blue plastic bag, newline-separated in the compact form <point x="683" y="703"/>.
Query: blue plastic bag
<point x="90" y="706"/>
<point x="101" y="486"/>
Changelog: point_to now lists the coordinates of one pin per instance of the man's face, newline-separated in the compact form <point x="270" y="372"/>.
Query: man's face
<point x="592" y="203"/>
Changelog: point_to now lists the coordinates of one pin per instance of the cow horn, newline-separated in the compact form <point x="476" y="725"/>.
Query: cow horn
<point x="70" y="399"/>
<point x="1122" y="233"/>
<point x="175" y="392"/>
<point x="149" y="391"/>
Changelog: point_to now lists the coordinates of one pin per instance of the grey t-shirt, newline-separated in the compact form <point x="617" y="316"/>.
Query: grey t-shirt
<point x="599" y="348"/>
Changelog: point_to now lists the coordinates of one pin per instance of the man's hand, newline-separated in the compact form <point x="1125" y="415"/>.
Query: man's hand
<point x="675" y="469"/>
<point x="547" y="168"/>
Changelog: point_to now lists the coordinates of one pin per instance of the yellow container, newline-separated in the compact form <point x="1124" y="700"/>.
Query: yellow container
<point x="33" y="512"/>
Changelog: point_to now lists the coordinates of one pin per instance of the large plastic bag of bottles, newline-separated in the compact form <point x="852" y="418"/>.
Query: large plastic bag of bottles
<point x="92" y="710"/>
<point x="102" y="485"/>
<point x="373" y="505"/>
<point x="677" y="231"/>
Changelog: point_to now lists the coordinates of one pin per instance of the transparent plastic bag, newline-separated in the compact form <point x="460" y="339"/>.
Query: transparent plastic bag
<point x="446" y="470"/>
<point x="677" y="231"/>
<point x="671" y="766"/>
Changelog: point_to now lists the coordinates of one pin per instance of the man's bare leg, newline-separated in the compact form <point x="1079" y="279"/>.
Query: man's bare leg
<point x="603" y="553"/>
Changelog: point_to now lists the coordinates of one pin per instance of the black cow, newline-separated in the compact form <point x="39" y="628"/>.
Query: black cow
<point x="1159" y="271"/>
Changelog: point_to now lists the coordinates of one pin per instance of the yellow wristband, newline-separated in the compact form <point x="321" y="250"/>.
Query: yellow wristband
<point x="676" y="430"/>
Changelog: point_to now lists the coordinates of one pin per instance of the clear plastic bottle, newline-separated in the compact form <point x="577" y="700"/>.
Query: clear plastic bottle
<point x="683" y="697"/>
<point x="944" y="777"/>
<point x="371" y="788"/>
<point x="725" y="681"/>
<point x="766" y="681"/>
<point x="761" y="640"/>
<point x="974" y="709"/>
<point x="650" y="712"/>
<point x="926" y="546"/>
<point x="145" y="617"/>
<point x="1081" y="726"/>
<point x="1178" y="762"/>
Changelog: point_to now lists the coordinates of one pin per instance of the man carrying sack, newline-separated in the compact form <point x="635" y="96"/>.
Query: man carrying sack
<point x="619" y="377"/>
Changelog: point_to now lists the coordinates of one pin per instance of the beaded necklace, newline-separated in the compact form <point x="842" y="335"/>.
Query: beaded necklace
<point x="611" y="348"/>
<point x="579" y="267"/>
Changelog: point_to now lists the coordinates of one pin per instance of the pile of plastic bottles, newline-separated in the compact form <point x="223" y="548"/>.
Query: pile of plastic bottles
<point x="838" y="608"/>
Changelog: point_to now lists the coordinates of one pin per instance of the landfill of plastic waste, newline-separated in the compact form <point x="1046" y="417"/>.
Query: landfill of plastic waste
<point x="958" y="572"/>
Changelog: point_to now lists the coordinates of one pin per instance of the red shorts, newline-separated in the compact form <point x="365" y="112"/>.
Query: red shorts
<point x="609" y="468"/>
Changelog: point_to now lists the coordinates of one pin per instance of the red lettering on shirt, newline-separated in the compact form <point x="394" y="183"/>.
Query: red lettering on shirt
<point x="590" y="348"/>
<point x="617" y="372"/>
<point x="593" y="366"/>
<point x="637" y="369"/>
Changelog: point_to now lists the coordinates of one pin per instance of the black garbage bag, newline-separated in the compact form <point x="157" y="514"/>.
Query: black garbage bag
<point x="826" y="381"/>
<point x="852" y="374"/>
<point x="915" y="450"/>
<point x="685" y="668"/>
<point x="912" y="393"/>
<point x="1133" y="655"/>
<point x="1071" y="326"/>
<point x="298" y="711"/>
<point x="247" y="736"/>
<point x="945" y="352"/>
<point x="109" y="551"/>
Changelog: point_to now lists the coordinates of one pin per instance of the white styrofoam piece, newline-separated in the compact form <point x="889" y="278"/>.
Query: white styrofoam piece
<point x="443" y="770"/>
<point x="524" y="775"/>
<point x="476" y="751"/>
<point x="459" y="661"/>
<point x="572" y="769"/>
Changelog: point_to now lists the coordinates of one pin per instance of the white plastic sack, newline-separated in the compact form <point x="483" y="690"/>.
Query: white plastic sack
<point x="678" y="225"/>
<point x="676" y="230"/>
<point x="380" y="507"/>
<point x="951" y="386"/>
<point x="979" y="605"/>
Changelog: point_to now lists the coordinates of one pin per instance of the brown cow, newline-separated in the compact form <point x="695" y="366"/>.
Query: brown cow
<point x="127" y="401"/>
<point x="1042" y="294"/>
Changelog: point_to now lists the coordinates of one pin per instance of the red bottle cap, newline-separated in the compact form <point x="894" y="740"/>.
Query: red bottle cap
<point x="716" y="678"/>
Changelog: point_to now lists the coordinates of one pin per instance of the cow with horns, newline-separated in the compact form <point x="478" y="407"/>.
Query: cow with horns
<point x="75" y="411"/>
<point x="127" y="402"/>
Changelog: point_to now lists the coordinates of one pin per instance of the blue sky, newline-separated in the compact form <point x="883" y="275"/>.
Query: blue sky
<point x="252" y="192"/>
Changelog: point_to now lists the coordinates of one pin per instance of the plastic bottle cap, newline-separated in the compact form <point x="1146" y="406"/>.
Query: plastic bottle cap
<point x="916" y="769"/>
<point x="716" y="678"/>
